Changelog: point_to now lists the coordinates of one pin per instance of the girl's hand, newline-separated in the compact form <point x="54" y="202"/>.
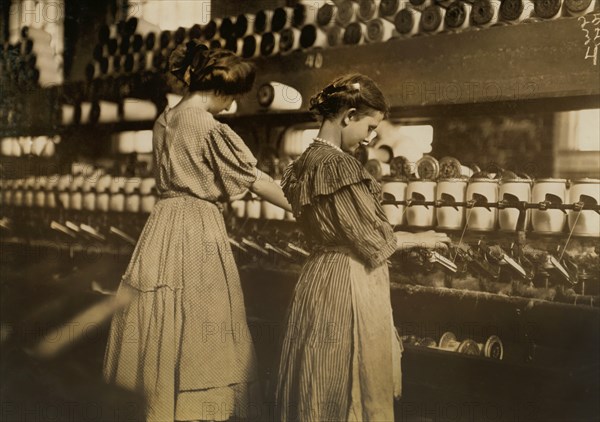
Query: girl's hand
<point x="427" y="240"/>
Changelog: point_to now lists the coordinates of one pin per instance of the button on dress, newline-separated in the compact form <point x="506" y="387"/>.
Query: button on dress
<point x="183" y="340"/>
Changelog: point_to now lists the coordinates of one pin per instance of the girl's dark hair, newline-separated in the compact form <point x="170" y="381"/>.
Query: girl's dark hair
<point x="347" y="91"/>
<point x="203" y="69"/>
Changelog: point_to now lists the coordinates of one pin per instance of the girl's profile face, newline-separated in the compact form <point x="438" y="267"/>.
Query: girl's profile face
<point x="359" y="129"/>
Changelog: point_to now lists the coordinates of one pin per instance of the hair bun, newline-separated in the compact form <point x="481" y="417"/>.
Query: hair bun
<point x="185" y="55"/>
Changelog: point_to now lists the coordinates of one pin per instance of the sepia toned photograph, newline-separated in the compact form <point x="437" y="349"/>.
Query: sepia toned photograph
<point x="300" y="211"/>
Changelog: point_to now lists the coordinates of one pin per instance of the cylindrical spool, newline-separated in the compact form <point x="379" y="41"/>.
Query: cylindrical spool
<point x="40" y="198"/>
<point x="117" y="183"/>
<point x="147" y="185"/>
<point x="585" y="222"/>
<point x="394" y="189"/>
<point x="481" y="218"/>
<point x="117" y="201"/>
<point x="421" y="215"/>
<point x="251" y="46"/>
<point x="109" y="112"/>
<point x="269" y="44"/>
<point x="389" y="8"/>
<point x="6" y="146"/>
<point x="89" y="200"/>
<point x="277" y="96"/>
<point x="147" y="202"/>
<point x="407" y="21"/>
<point x="86" y="108"/>
<point x="143" y="142"/>
<point x="234" y="44"/>
<point x="7" y="196"/>
<point x="312" y="36"/>
<point x="165" y="40"/>
<point x="485" y="12"/>
<point x="432" y="19"/>
<point x="493" y="348"/>
<point x="150" y="41"/>
<point x="367" y="10"/>
<point x="383" y="153"/>
<point x="304" y="14"/>
<point x="112" y="46"/>
<point x="262" y="21"/>
<point x="135" y="109"/>
<point x="140" y="26"/>
<point x="124" y="46"/>
<point x="516" y="10"/>
<point x="282" y="18"/>
<point x="553" y="191"/>
<point x="289" y="40"/>
<point x="38" y="145"/>
<point x="420" y="5"/>
<point x="25" y="143"/>
<point x="451" y="190"/>
<point x="548" y="9"/>
<point x="458" y="15"/>
<point x="326" y="15"/>
<point x="513" y="191"/>
<point x="67" y="114"/>
<point x="28" y="198"/>
<point x="132" y="201"/>
<point x="253" y="207"/>
<point x="131" y="185"/>
<point x="211" y="28"/>
<point x="137" y="43"/>
<point x="354" y="33"/>
<point x="335" y="35"/>
<point x="243" y="25"/>
<point x="448" y="341"/>
<point x="238" y="207"/>
<point x="125" y="142"/>
<point x="76" y="200"/>
<point x="51" y="199"/>
<point x="377" y="169"/>
<point x="17" y="198"/>
<point x="379" y="30"/>
<point x="114" y="65"/>
<point x="346" y="12"/>
<point x="578" y="7"/>
<point x="226" y="29"/>
<point x="179" y="36"/>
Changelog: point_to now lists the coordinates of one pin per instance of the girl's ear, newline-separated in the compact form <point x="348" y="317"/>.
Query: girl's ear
<point x="349" y="114"/>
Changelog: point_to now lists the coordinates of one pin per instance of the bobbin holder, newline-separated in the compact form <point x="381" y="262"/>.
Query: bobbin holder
<point x="522" y="205"/>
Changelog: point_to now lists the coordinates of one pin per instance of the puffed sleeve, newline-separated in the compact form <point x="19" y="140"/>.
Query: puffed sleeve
<point x="231" y="160"/>
<point x="370" y="236"/>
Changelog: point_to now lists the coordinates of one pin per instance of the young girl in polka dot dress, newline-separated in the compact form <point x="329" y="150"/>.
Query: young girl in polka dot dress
<point x="182" y="340"/>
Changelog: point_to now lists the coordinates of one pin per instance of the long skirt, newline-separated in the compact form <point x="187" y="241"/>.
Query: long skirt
<point x="341" y="354"/>
<point x="183" y="340"/>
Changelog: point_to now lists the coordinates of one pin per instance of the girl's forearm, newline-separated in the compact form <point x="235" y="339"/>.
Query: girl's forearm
<point x="267" y="189"/>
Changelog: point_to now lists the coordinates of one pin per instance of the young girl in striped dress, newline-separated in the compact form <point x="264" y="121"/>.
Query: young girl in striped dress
<point x="341" y="354"/>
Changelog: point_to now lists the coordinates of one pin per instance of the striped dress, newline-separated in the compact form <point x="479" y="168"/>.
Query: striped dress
<point x="341" y="354"/>
<point x="183" y="341"/>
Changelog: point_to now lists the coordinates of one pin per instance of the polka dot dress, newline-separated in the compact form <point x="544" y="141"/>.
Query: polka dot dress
<point x="183" y="340"/>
